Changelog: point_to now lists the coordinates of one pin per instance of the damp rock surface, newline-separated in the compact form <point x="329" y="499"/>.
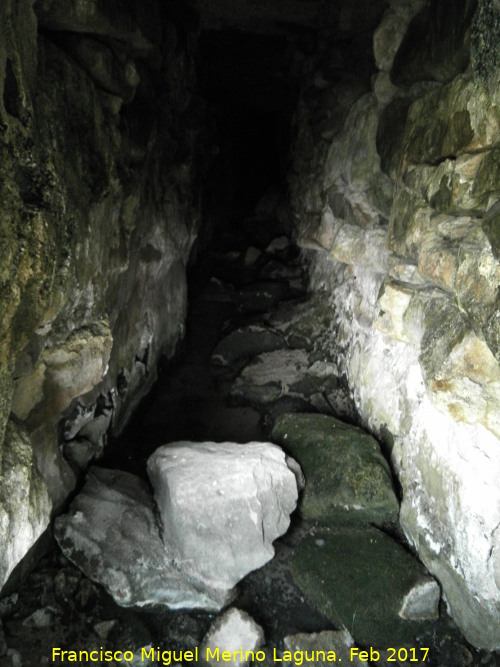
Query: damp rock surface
<point x="347" y="478"/>
<point x="361" y="580"/>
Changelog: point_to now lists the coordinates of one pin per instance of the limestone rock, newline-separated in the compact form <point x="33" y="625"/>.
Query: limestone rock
<point x="412" y="348"/>
<point x="389" y="34"/>
<point x="65" y="369"/>
<point x="361" y="579"/>
<point x="275" y="269"/>
<point x="111" y="533"/>
<point x="246" y="342"/>
<point x="41" y="618"/>
<point x="102" y="65"/>
<point x="271" y="375"/>
<point x="457" y="186"/>
<point x="384" y="90"/>
<point x="284" y="373"/>
<point x="347" y="478"/>
<point x="111" y="19"/>
<point x="85" y="299"/>
<point x="456" y="119"/>
<point x="454" y="254"/>
<point x="305" y="324"/>
<point x="261" y="296"/>
<point x="340" y="642"/>
<point x="357" y="175"/>
<point x="25" y="504"/>
<point x="436" y="45"/>
<point x="80" y="452"/>
<point x="222" y="506"/>
<point x="233" y="631"/>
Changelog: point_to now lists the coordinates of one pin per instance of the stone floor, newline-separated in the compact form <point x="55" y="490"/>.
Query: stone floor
<point x="242" y="296"/>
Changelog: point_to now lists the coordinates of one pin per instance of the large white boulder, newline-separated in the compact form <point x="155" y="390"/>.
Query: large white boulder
<point x="112" y="535"/>
<point x="222" y="505"/>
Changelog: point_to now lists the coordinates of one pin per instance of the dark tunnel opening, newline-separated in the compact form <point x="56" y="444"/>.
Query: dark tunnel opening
<point x="251" y="97"/>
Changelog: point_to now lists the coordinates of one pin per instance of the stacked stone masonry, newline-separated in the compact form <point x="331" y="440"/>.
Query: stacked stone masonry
<point x="397" y="214"/>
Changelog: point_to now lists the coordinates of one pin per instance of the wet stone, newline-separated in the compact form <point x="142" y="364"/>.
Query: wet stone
<point x="347" y="478"/>
<point x="306" y="324"/>
<point x="360" y="578"/>
<point x="261" y="296"/>
<point x="284" y="373"/>
<point x="218" y="291"/>
<point x="246" y="342"/>
<point x="270" y="376"/>
<point x="277" y="270"/>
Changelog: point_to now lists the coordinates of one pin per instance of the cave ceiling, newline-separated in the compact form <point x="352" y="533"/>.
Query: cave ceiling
<point x="288" y="16"/>
<point x="258" y="16"/>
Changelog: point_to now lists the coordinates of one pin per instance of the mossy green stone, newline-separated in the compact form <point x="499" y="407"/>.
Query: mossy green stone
<point x="347" y="478"/>
<point x="358" y="579"/>
<point x="445" y="326"/>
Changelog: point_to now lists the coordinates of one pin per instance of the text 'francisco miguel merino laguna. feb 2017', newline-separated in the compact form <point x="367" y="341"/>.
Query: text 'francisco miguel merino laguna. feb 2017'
<point x="211" y="655"/>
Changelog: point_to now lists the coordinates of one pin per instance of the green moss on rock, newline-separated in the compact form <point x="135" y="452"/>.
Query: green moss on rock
<point x="359" y="580"/>
<point x="347" y="478"/>
<point x="485" y="47"/>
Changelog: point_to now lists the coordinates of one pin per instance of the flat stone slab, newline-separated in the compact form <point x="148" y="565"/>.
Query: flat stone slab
<point x="347" y="478"/>
<point x="222" y="505"/>
<point x="273" y="375"/>
<point x="363" y="580"/>
<point x="258" y="297"/>
<point x="246" y="342"/>
<point x="112" y="535"/>
<point x="307" y="324"/>
<point x="276" y="270"/>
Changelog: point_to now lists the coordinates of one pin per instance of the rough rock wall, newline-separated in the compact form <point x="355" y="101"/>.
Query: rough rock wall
<point x="394" y="196"/>
<point x="99" y="137"/>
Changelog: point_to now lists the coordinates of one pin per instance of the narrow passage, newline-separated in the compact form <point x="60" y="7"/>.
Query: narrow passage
<point x="255" y="367"/>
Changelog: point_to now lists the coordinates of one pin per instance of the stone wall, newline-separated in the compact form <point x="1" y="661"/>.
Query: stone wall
<point x="394" y="197"/>
<point x="101" y="154"/>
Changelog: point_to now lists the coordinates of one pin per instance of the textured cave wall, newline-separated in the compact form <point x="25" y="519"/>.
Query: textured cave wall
<point x="101" y="159"/>
<point x="394" y="195"/>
